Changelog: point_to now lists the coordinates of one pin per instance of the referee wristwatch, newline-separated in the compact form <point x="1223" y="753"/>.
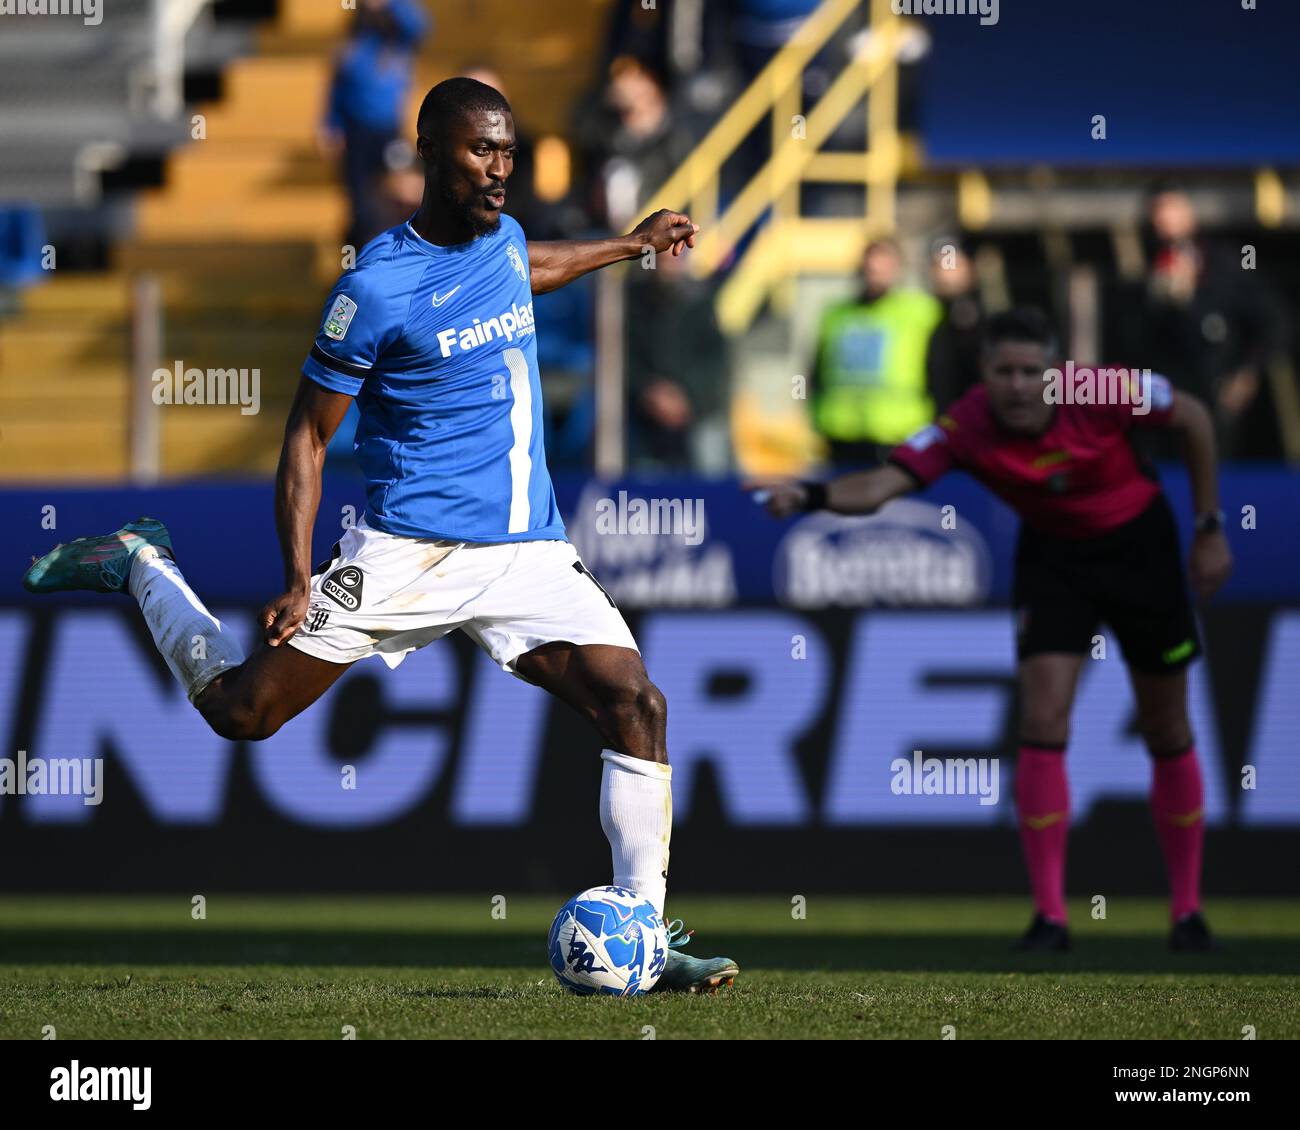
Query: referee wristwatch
<point x="1211" y="522"/>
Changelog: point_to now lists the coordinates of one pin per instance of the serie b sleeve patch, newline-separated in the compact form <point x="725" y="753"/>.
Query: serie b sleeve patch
<point x="339" y="318"/>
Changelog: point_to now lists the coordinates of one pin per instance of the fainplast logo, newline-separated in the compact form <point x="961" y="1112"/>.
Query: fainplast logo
<point x="513" y="323"/>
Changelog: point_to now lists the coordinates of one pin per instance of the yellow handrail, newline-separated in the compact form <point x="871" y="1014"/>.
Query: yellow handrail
<point x="795" y="157"/>
<point x="786" y="166"/>
<point x="697" y="176"/>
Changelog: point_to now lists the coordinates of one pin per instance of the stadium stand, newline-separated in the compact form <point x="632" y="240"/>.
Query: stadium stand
<point x="243" y="234"/>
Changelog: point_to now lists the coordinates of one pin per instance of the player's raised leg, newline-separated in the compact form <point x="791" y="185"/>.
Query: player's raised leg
<point x="1177" y="798"/>
<point x="1047" y="683"/>
<point x="239" y="698"/>
<point x="609" y="686"/>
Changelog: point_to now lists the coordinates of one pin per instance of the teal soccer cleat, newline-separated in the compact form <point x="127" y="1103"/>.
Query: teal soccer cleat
<point x="99" y="564"/>
<point x="685" y="974"/>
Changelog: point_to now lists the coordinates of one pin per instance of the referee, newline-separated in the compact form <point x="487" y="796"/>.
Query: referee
<point x="1098" y="544"/>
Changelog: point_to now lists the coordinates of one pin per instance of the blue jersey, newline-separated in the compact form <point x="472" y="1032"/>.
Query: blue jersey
<point x="439" y="348"/>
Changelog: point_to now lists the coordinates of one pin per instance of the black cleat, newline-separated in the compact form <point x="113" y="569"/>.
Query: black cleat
<point x="1044" y="936"/>
<point x="1190" y="934"/>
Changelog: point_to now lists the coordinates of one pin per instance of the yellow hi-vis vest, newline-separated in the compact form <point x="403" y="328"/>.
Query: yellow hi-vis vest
<point x="871" y="368"/>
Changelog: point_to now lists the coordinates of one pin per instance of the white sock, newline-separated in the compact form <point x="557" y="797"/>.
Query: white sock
<point x="636" y="811"/>
<point x="195" y="644"/>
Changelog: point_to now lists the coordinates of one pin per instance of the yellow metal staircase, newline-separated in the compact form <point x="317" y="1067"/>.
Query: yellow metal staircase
<point x="770" y="429"/>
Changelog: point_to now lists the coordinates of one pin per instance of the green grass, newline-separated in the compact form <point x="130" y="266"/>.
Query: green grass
<point x="118" y="968"/>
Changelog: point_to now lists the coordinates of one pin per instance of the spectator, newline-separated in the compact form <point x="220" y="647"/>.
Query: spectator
<point x="869" y="378"/>
<point x="367" y="103"/>
<point x="677" y="370"/>
<point x="401" y="188"/>
<point x="1204" y="321"/>
<point x="953" y="358"/>
<point x="630" y="139"/>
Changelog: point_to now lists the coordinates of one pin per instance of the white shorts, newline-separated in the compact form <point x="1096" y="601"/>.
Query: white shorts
<point x="387" y="595"/>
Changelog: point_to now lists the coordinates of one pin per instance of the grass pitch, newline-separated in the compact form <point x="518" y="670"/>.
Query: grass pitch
<point x="273" y="968"/>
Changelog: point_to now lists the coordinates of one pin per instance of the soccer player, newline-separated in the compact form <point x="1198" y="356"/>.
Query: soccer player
<point x="1097" y="543"/>
<point x="433" y="335"/>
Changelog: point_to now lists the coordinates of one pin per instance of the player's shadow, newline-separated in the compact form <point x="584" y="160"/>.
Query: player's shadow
<point x="788" y="950"/>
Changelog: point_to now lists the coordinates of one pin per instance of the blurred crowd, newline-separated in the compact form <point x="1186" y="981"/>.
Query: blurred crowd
<point x="900" y="347"/>
<point x="892" y="355"/>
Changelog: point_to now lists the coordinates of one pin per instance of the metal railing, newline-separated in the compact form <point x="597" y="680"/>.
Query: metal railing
<point x="789" y="244"/>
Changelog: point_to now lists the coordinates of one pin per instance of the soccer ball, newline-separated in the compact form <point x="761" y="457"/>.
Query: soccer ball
<point x="608" y="940"/>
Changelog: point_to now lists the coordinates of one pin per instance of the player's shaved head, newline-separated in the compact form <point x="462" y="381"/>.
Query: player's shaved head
<point x="467" y="143"/>
<point x="452" y="101"/>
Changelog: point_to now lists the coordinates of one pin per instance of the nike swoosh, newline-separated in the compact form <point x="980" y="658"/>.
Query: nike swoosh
<point x="438" y="299"/>
<point x="1038" y="823"/>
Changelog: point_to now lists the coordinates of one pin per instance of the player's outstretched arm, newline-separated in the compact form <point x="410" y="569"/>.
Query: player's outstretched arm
<point x="1210" y="560"/>
<point x="313" y="419"/>
<point x="552" y="264"/>
<point x="862" y="492"/>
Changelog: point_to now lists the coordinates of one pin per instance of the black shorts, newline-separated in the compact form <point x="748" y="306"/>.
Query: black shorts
<point x="1130" y="578"/>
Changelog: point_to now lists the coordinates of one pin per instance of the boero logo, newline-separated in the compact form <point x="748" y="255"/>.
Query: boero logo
<point x="343" y="586"/>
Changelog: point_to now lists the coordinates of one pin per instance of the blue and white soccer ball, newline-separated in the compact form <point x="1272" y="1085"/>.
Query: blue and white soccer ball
<point x="608" y="940"/>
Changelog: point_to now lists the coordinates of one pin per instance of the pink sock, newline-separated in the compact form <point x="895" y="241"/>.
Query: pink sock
<point x="1177" y="803"/>
<point x="1043" y="804"/>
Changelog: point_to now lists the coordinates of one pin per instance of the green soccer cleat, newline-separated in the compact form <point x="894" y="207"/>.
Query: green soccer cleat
<point x="99" y="564"/>
<point x="685" y="974"/>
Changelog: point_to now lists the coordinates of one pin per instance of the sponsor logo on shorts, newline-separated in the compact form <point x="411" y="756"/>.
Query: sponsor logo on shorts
<point x="317" y="617"/>
<point x="343" y="586"/>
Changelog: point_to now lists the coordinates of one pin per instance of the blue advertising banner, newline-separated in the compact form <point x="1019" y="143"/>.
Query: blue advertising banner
<point x="682" y="542"/>
<point x="801" y="743"/>
<point x="826" y="679"/>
